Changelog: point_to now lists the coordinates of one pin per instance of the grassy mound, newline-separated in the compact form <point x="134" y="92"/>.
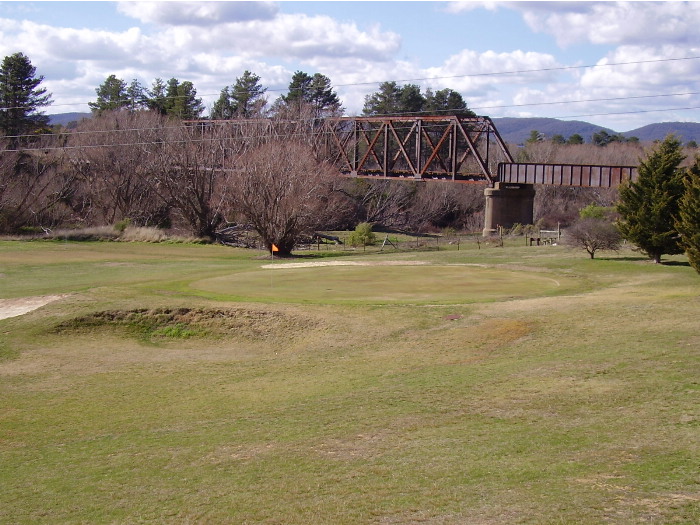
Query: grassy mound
<point x="184" y="323"/>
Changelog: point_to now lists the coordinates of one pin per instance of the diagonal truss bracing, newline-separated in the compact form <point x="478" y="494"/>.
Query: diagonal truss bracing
<point x="453" y="148"/>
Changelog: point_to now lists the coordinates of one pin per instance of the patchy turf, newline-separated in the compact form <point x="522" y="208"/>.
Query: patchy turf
<point x="185" y="323"/>
<point x="141" y="397"/>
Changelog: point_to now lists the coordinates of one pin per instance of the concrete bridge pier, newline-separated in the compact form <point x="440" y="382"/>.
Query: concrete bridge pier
<point x="508" y="204"/>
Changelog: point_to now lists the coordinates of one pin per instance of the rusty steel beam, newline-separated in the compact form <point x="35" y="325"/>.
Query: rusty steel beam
<point x="460" y="149"/>
<point x="594" y="176"/>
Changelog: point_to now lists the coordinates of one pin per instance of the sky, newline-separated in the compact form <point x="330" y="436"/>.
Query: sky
<point x="621" y="65"/>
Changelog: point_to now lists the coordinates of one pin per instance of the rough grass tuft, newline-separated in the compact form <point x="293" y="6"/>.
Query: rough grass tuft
<point x="184" y="323"/>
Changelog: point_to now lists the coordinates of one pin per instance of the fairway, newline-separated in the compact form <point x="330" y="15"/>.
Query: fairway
<point x="197" y="384"/>
<point x="382" y="284"/>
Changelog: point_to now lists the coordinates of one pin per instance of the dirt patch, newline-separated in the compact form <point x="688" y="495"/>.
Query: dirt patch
<point x="22" y="305"/>
<point x="283" y="266"/>
<point x="184" y="323"/>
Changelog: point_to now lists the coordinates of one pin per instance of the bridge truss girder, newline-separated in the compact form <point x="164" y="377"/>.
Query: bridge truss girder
<point x="460" y="149"/>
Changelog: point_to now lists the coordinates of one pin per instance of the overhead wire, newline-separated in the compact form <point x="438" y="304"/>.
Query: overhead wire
<point x="448" y="77"/>
<point x="504" y="106"/>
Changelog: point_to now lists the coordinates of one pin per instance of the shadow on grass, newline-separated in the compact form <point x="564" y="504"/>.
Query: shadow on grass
<point x="626" y="258"/>
<point x="644" y="259"/>
<point x="675" y="263"/>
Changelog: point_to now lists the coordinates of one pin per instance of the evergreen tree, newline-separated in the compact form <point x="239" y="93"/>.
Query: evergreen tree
<point x="136" y="95"/>
<point x="111" y="95"/>
<point x="307" y="91"/>
<point x="386" y="101"/>
<point x="649" y="206"/>
<point x="688" y="223"/>
<point x="299" y="90"/>
<point x="21" y="96"/>
<point x="223" y="109"/>
<point x="408" y="100"/>
<point x="411" y="100"/>
<point x="156" y="98"/>
<point x="244" y="99"/>
<point x="181" y="100"/>
<point x="322" y="97"/>
<point x="446" y="102"/>
<point x="247" y="95"/>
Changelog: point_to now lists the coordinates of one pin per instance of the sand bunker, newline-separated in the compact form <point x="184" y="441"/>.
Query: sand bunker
<point x="283" y="266"/>
<point x="22" y="305"/>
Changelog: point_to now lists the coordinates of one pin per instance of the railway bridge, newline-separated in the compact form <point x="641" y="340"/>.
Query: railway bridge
<point x="455" y="149"/>
<point x="435" y="148"/>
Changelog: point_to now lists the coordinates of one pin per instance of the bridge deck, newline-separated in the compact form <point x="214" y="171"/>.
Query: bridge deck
<point x="566" y="174"/>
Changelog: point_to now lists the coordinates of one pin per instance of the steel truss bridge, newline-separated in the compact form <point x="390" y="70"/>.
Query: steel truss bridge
<point x="451" y="148"/>
<point x="422" y="148"/>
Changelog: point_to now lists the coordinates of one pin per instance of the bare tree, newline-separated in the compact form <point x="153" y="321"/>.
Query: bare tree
<point x="440" y="205"/>
<point x="117" y="158"/>
<point x="380" y="202"/>
<point x="593" y="234"/>
<point x="196" y="180"/>
<point x="282" y="190"/>
<point x="33" y="189"/>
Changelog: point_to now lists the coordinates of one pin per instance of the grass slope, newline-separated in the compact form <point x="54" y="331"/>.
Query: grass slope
<point x="524" y="401"/>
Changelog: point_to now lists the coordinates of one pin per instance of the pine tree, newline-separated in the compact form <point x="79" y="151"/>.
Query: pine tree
<point x="307" y="91"/>
<point x="245" y="98"/>
<point x="156" y="99"/>
<point x="223" y="108"/>
<point x="688" y="223"/>
<point x="136" y="95"/>
<point x="111" y="95"/>
<point x="247" y="95"/>
<point x="21" y="96"/>
<point x="386" y="101"/>
<point x="649" y="206"/>
<point x="411" y="100"/>
<point x="446" y="102"/>
<point x="181" y="100"/>
<point x="324" y="100"/>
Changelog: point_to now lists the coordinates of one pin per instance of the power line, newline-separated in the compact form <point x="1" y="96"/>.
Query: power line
<point x="417" y="113"/>
<point x="160" y="141"/>
<point x="467" y="75"/>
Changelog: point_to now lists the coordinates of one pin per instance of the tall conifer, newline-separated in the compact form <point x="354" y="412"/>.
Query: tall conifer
<point x="649" y="206"/>
<point x="688" y="223"/>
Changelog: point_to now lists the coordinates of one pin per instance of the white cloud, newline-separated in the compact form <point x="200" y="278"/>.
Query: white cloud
<point x="469" y="70"/>
<point x="614" y="23"/>
<point x="198" y="13"/>
<point x="463" y="6"/>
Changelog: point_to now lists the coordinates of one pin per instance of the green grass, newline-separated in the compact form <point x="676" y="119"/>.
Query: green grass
<point x="180" y="383"/>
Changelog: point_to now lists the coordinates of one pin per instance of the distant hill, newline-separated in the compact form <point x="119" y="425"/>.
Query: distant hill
<point x="685" y="131"/>
<point x="517" y="130"/>
<point x="65" y="118"/>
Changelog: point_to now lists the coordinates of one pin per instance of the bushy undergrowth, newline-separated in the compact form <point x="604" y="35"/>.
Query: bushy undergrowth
<point x="118" y="232"/>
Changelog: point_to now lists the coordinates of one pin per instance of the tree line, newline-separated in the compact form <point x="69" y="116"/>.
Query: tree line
<point x="138" y="160"/>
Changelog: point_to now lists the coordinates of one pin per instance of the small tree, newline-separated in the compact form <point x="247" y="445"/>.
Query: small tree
<point x="649" y="206"/>
<point x="362" y="236"/>
<point x="593" y="234"/>
<point x="688" y="223"/>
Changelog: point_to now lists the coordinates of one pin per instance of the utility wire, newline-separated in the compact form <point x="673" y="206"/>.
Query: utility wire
<point x="408" y="114"/>
<point x="160" y="141"/>
<point x="424" y="79"/>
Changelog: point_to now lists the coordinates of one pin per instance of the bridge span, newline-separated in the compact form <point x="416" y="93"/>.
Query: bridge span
<point x="456" y="149"/>
<point x="437" y="148"/>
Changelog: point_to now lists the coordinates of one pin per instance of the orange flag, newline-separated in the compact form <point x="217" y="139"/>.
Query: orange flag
<point x="275" y="248"/>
